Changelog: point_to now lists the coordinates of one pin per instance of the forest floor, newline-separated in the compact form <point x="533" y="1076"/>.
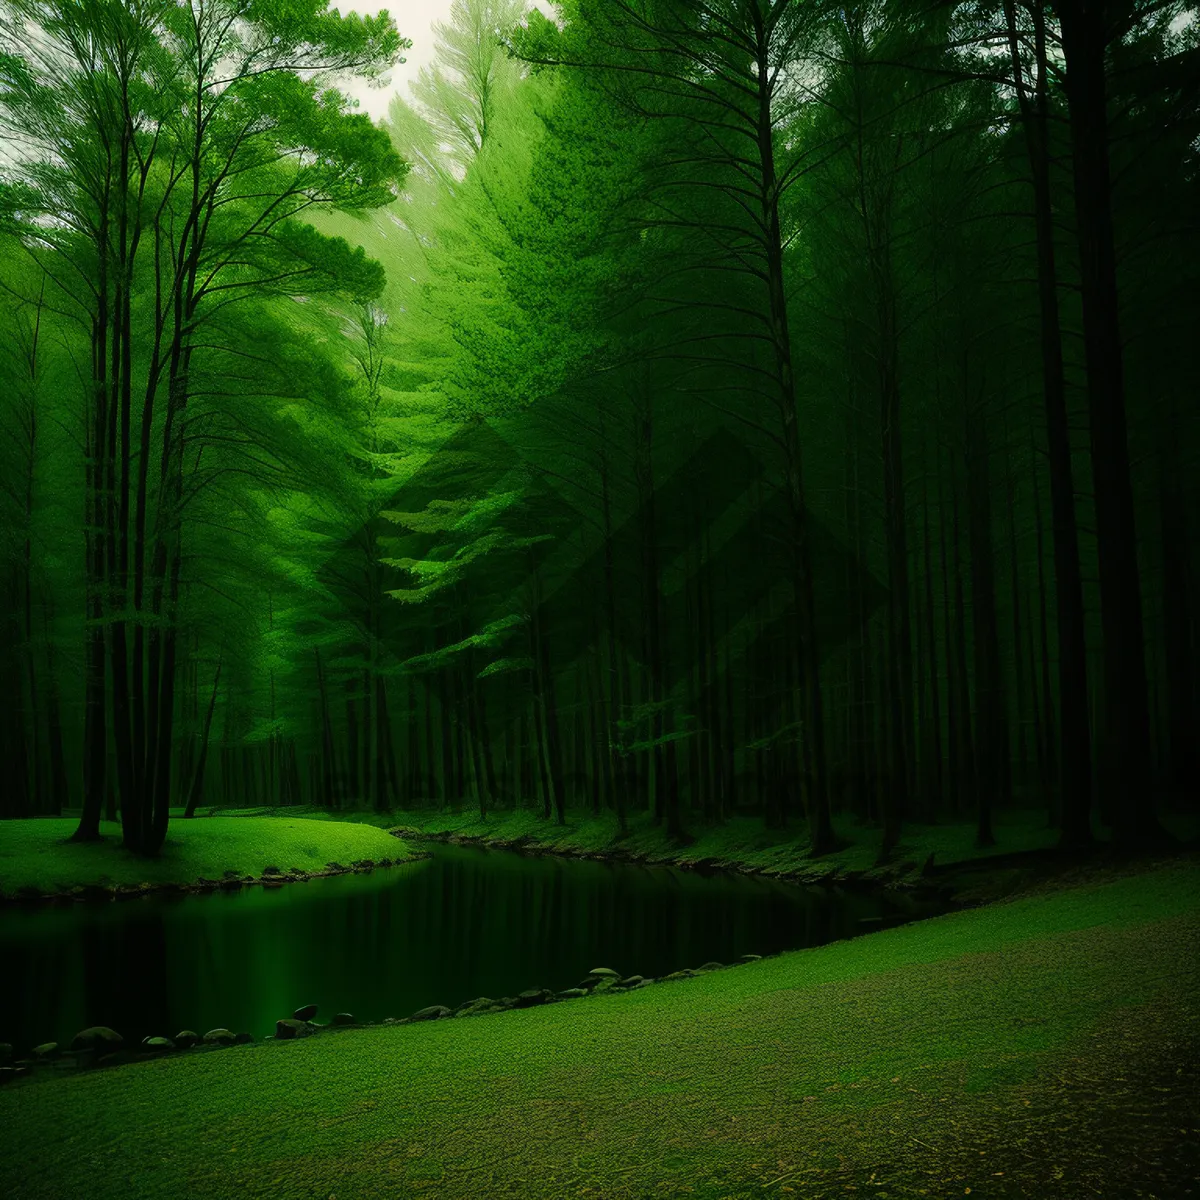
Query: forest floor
<point x="1044" y="1046"/>
<point x="37" y="856"/>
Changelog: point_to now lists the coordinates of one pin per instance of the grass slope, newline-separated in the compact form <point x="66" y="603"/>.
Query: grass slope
<point x="1043" y="1047"/>
<point x="37" y="854"/>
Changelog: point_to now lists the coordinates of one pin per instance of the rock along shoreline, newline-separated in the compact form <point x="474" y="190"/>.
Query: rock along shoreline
<point x="899" y="876"/>
<point x="231" y="881"/>
<point x="99" y="1046"/>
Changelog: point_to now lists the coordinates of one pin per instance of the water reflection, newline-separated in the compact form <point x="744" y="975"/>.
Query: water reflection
<point x="464" y="923"/>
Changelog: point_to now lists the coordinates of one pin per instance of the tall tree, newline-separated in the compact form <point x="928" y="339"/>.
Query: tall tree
<point x="170" y="205"/>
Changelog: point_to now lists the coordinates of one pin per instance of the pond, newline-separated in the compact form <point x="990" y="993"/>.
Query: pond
<point x="466" y="922"/>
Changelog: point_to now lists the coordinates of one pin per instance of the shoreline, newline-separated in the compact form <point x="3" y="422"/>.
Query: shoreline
<point x="40" y="864"/>
<point x="99" y="893"/>
<point x="964" y="880"/>
<point x="963" y="884"/>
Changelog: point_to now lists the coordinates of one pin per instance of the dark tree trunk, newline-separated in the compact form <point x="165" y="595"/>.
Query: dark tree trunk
<point x="1047" y="724"/>
<point x="956" y="704"/>
<point x="95" y="735"/>
<point x="329" y="780"/>
<point x="197" y="786"/>
<point x="1074" y="745"/>
<point x="966" y="766"/>
<point x="353" y="760"/>
<point x="60" y="788"/>
<point x="806" y="641"/>
<point x="934" y="774"/>
<point x="1179" y="630"/>
<point x="990" y="743"/>
<point x="1126" y="710"/>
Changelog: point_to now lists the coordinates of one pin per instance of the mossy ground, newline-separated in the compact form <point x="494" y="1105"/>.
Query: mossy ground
<point x="39" y="854"/>
<point x="1041" y="1047"/>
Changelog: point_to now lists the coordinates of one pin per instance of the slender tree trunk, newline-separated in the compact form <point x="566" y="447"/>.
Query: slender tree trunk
<point x="60" y="788"/>
<point x="967" y="766"/>
<point x="196" y="790"/>
<point x="1179" y="628"/>
<point x="1021" y="705"/>
<point x="328" y="759"/>
<point x="989" y="737"/>
<point x="935" y="772"/>
<point x="95" y="736"/>
<point x="956" y="704"/>
<point x="1084" y="32"/>
<point x="353" y="755"/>
<point x="808" y="668"/>
<point x="389" y="794"/>
<point x="1075" y="756"/>
<point x="1046" y="725"/>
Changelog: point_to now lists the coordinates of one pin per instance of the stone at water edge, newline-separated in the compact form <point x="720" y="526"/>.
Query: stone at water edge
<point x="289" y="1028"/>
<point x="186" y="1038"/>
<point x="532" y="996"/>
<point x="605" y="973"/>
<point x="345" y="1019"/>
<point x="481" y="1004"/>
<point x="219" y="1037"/>
<point x="97" y="1037"/>
<point x="305" y="1013"/>
<point x="46" y="1050"/>
<point x="598" y="983"/>
<point x="749" y="958"/>
<point x="572" y="993"/>
<point x="432" y="1013"/>
<point x="632" y="981"/>
<point x="158" y="1044"/>
<point x="684" y="974"/>
<point x="478" y="1002"/>
<point x="712" y="966"/>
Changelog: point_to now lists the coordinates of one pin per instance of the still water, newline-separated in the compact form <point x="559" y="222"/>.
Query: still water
<point x="467" y="922"/>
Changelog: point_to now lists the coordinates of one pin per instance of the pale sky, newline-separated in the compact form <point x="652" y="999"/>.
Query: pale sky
<point x="414" y="19"/>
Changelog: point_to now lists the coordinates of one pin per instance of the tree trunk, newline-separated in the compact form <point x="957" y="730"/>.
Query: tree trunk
<point x="989" y="731"/>
<point x="1075" y="756"/>
<point x="197" y="786"/>
<point x="808" y="671"/>
<point x="935" y="773"/>
<point x="1126" y="710"/>
<point x="1179" y="630"/>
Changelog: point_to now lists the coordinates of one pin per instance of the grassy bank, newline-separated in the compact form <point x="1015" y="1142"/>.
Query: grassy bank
<point x="37" y="855"/>
<point x="743" y="844"/>
<point x="1044" y="1046"/>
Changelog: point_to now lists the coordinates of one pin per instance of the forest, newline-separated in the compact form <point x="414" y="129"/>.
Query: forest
<point x="695" y="408"/>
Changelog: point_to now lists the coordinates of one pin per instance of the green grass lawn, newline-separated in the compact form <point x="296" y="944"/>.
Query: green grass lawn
<point x="37" y="853"/>
<point x="1044" y="1047"/>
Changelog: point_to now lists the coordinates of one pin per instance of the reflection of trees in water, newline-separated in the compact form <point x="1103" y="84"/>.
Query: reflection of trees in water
<point x="125" y="983"/>
<point x="468" y="923"/>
